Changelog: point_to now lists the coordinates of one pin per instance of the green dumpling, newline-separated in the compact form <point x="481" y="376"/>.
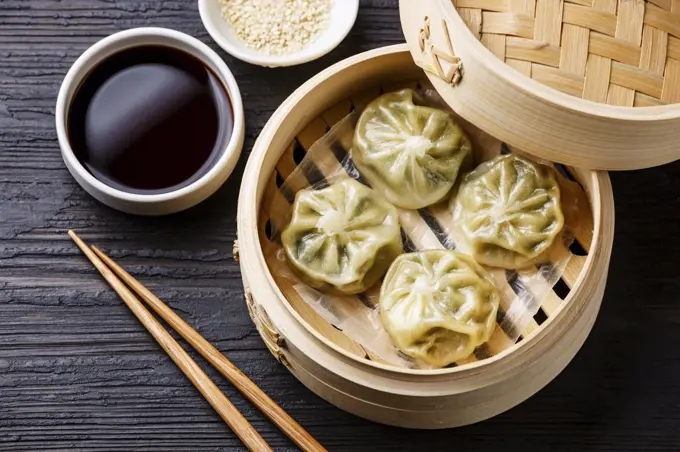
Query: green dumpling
<point x="342" y="238"/>
<point x="508" y="210"/>
<point x="438" y="305"/>
<point x="410" y="153"/>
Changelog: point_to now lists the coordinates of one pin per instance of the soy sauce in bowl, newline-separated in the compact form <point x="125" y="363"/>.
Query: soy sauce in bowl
<point x="150" y="119"/>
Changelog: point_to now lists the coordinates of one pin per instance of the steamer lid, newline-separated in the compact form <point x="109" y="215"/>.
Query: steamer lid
<point x="550" y="80"/>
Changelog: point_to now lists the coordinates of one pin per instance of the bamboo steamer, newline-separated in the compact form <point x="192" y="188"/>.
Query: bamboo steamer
<point x="588" y="83"/>
<point x="339" y="370"/>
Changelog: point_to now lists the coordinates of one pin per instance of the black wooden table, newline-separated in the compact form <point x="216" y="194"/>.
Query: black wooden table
<point x="77" y="371"/>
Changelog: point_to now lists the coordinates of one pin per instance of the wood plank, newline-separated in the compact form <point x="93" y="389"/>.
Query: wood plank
<point x="590" y="18"/>
<point x="673" y="49"/>
<point x="642" y="100"/>
<point x="316" y="128"/>
<point x="523" y="67"/>
<point x="608" y="6"/>
<point x="526" y="7"/>
<point x="548" y="21"/>
<point x="663" y="4"/>
<point x="560" y="80"/>
<point x="574" y="49"/>
<point x="654" y="48"/>
<point x="588" y="3"/>
<point x="620" y="96"/>
<point x="489" y="5"/>
<point x="77" y="372"/>
<point x="637" y="79"/>
<point x="671" y="84"/>
<point x="337" y="112"/>
<point x="629" y="21"/>
<point x="473" y="19"/>
<point x="596" y="83"/>
<point x="533" y="51"/>
<point x="495" y="43"/>
<point x="663" y="20"/>
<point x="614" y="49"/>
<point x="508" y="24"/>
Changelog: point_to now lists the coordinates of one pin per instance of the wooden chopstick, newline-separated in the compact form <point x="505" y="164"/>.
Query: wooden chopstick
<point x="232" y="373"/>
<point x="210" y="391"/>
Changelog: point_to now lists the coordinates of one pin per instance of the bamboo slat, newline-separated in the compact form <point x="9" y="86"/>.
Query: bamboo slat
<point x="619" y="52"/>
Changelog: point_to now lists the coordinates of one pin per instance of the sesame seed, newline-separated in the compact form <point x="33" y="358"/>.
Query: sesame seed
<point x="277" y="27"/>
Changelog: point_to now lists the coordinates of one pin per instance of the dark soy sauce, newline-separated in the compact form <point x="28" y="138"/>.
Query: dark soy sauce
<point x="150" y="119"/>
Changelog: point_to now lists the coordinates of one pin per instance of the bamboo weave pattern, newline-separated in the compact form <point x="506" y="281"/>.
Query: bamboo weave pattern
<point x="618" y="52"/>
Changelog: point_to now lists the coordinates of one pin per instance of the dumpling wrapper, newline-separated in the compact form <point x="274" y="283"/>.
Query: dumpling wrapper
<point x="410" y="153"/>
<point x="438" y="305"/>
<point x="343" y="238"/>
<point x="508" y="210"/>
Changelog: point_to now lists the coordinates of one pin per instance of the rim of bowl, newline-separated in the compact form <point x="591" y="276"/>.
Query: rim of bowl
<point x="76" y="75"/>
<point x="260" y="151"/>
<point x="273" y="60"/>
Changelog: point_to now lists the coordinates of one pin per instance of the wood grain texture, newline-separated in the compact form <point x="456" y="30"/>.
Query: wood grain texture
<point x="227" y="411"/>
<point x="232" y="373"/>
<point x="78" y="371"/>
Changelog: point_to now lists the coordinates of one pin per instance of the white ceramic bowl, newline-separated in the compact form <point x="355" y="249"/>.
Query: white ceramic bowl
<point x="172" y="201"/>
<point x="342" y="17"/>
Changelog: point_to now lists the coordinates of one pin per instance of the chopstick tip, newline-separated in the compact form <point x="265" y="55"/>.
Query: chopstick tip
<point x="78" y="241"/>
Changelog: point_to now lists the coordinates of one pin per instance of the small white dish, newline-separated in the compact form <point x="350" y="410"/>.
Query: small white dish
<point x="342" y="17"/>
<point x="171" y="201"/>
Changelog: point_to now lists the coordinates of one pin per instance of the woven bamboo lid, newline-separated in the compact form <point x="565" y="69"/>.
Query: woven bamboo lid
<point x="589" y="83"/>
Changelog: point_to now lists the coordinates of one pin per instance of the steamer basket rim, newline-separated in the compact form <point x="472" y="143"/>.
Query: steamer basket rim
<point x="250" y="198"/>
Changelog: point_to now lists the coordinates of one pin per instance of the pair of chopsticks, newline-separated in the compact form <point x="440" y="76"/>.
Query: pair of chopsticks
<point x="227" y="411"/>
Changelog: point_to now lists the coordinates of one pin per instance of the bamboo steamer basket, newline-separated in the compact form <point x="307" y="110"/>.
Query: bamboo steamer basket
<point x="338" y="369"/>
<point x="588" y="83"/>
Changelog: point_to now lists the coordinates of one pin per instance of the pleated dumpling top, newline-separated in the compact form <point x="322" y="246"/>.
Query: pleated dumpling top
<point x="342" y="239"/>
<point x="409" y="152"/>
<point x="438" y="305"/>
<point x="508" y="210"/>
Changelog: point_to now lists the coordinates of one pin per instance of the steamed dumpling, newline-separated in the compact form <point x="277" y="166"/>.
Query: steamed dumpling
<point x="342" y="238"/>
<point x="438" y="305"/>
<point x="508" y="210"/>
<point x="408" y="152"/>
